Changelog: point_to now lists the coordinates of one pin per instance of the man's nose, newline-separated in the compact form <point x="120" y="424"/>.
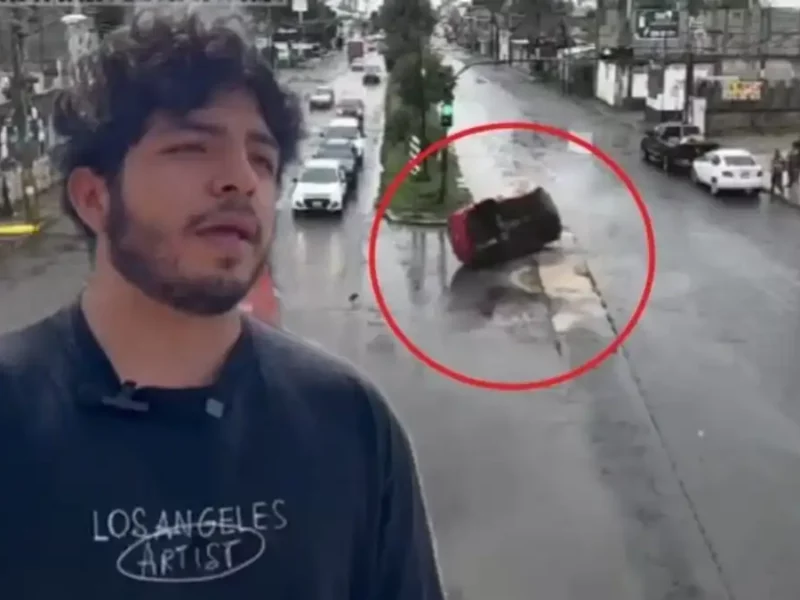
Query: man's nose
<point x="235" y="174"/>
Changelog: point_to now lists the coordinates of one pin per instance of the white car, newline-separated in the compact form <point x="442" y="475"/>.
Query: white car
<point x="347" y="128"/>
<point x="728" y="169"/>
<point x="323" y="98"/>
<point x="322" y="186"/>
<point x="357" y="65"/>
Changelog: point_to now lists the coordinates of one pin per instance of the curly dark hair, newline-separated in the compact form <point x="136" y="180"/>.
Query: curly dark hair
<point x="162" y="62"/>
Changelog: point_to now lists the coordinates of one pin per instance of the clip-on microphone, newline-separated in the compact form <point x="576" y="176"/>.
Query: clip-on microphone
<point x="123" y="400"/>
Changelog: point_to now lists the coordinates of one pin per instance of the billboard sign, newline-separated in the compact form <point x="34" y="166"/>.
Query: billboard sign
<point x="657" y="24"/>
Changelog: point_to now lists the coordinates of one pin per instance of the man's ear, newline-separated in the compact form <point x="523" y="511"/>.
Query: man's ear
<point x="89" y="195"/>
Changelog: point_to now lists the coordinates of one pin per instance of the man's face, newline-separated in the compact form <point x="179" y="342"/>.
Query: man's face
<point x="191" y="218"/>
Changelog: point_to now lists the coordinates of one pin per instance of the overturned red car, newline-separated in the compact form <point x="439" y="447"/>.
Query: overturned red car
<point x="497" y="230"/>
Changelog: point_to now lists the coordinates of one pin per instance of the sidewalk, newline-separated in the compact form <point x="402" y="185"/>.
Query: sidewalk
<point x="52" y="221"/>
<point x="763" y="147"/>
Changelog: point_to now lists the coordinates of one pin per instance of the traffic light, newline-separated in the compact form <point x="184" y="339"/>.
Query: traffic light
<point x="446" y="114"/>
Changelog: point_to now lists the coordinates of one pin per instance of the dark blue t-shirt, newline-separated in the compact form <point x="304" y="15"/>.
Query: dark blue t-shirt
<point x="289" y="479"/>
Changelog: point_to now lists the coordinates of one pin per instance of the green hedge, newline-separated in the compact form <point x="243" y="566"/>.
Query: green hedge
<point x="418" y="195"/>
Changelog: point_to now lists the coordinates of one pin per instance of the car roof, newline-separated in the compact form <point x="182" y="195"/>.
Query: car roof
<point x="344" y="145"/>
<point x="337" y="142"/>
<point x="324" y="88"/>
<point x="357" y="101"/>
<point x="733" y="152"/>
<point x="344" y="122"/>
<point x="321" y="163"/>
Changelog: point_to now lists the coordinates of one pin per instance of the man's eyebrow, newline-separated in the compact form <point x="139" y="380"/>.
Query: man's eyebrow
<point x="189" y="124"/>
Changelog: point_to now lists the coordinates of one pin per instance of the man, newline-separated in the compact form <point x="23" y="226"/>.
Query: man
<point x="158" y="444"/>
<point x="777" y="168"/>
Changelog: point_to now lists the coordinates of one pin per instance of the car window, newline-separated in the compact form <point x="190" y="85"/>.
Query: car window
<point x="740" y="160"/>
<point x="691" y="130"/>
<point x="346" y="132"/>
<point x="320" y="175"/>
<point x="671" y="132"/>
<point x="337" y="152"/>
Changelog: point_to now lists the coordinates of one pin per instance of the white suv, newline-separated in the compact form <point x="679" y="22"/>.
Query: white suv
<point x="322" y="186"/>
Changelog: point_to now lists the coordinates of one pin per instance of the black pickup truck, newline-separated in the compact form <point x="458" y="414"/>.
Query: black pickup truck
<point x="674" y="144"/>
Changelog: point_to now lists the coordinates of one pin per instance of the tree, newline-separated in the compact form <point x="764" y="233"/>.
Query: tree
<point x="408" y="25"/>
<point x="418" y="90"/>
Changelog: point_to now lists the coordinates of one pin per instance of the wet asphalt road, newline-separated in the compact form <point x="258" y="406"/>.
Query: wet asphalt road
<point x="710" y="372"/>
<point x="578" y="492"/>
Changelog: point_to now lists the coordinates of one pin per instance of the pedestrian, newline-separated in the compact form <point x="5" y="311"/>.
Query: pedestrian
<point x="794" y="164"/>
<point x="160" y="443"/>
<point x="777" y="169"/>
<point x="6" y="208"/>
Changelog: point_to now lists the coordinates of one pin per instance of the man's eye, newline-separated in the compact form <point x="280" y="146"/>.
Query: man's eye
<point x="187" y="147"/>
<point x="265" y="162"/>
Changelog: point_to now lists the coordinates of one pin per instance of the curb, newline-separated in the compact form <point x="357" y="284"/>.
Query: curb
<point x="419" y="219"/>
<point x="8" y="248"/>
<point x="569" y="286"/>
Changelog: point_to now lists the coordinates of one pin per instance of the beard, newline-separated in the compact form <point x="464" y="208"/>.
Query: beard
<point x="135" y="252"/>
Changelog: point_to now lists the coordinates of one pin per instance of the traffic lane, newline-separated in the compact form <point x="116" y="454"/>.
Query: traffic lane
<point x="514" y="494"/>
<point x="714" y="354"/>
<point x="320" y="260"/>
<point x="475" y="322"/>
<point x="506" y="475"/>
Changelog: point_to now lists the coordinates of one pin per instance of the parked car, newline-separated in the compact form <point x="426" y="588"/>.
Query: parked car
<point x="322" y="186"/>
<point x="372" y="75"/>
<point x="348" y="128"/>
<point x="674" y="144"/>
<point x="323" y="98"/>
<point x="728" y="169"/>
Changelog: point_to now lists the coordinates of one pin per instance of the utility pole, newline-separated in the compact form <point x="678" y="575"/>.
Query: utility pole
<point x="446" y="121"/>
<point x="423" y="101"/>
<point x="694" y="26"/>
<point x="23" y="148"/>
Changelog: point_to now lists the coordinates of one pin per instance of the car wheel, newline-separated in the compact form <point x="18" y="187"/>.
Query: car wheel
<point x="645" y="156"/>
<point x="693" y="176"/>
<point x="665" y="164"/>
<point x="714" y="188"/>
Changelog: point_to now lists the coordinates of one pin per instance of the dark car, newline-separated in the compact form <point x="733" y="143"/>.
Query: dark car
<point x="350" y="107"/>
<point x="346" y="156"/>
<point x="372" y="75"/>
<point x="674" y="145"/>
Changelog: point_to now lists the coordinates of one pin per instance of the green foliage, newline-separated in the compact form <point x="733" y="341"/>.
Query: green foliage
<point x="408" y="25"/>
<point x="399" y="122"/>
<point x="413" y="88"/>
<point x="407" y="18"/>
<point x="421" y="196"/>
<point x="416" y="196"/>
